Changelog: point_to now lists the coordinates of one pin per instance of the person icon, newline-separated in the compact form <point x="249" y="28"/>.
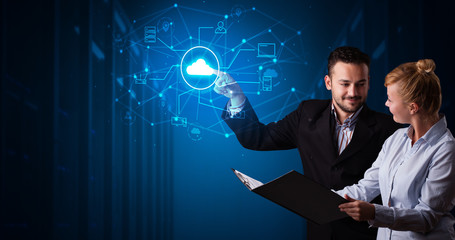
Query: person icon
<point x="220" y="29"/>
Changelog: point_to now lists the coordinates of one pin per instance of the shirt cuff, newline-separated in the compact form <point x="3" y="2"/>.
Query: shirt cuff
<point x="235" y="110"/>
<point x="384" y="216"/>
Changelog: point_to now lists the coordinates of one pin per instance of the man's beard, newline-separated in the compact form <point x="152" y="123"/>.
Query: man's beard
<point x="350" y="109"/>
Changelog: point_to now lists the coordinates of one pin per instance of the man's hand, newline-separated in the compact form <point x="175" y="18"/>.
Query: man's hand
<point x="358" y="210"/>
<point x="227" y="86"/>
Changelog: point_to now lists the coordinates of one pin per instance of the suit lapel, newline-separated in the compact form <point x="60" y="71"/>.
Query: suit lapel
<point x="362" y="133"/>
<point x="325" y="129"/>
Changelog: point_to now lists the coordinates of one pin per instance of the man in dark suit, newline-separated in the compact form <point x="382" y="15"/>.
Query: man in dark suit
<point x="338" y="139"/>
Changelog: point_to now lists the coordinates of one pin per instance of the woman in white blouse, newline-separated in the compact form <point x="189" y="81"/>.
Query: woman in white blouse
<point x="415" y="170"/>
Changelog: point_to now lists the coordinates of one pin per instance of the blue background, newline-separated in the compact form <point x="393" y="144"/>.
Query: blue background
<point x="89" y="154"/>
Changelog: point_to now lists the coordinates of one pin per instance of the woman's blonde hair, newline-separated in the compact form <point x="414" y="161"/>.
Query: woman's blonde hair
<point x="418" y="84"/>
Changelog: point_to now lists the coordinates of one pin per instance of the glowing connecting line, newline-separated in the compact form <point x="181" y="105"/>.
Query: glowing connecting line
<point x="200" y="67"/>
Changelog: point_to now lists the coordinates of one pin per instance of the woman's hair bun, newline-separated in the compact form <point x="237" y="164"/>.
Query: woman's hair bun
<point x="425" y="66"/>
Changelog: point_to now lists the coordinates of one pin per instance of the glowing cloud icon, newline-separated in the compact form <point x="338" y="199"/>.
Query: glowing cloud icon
<point x="200" y="67"/>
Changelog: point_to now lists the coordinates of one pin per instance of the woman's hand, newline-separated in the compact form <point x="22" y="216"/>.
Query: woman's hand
<point x="358" y="210"/>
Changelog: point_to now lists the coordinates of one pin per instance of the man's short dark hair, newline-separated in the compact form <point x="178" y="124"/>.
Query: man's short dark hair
<point x="347" y="55"/>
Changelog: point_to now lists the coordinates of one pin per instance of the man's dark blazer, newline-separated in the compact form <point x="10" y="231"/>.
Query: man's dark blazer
<point x="310" y="128"/>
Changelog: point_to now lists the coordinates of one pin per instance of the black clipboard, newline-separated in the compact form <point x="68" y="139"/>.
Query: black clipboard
<point x="299" y="194"/>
